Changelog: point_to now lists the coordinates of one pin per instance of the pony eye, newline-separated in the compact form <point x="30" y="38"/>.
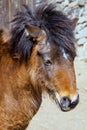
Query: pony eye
<point x="48" y="63"/>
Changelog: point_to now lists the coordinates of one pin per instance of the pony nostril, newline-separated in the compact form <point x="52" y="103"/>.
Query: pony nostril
<point x="65" y="103"/>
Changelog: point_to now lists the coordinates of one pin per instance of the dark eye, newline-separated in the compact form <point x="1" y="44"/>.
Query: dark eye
<point x="48" y="62"/>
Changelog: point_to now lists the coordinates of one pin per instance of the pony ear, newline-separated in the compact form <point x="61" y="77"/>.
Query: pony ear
<point x="5" y="36"/>
<point x="34" y="31"/>
<point x="1" y="39"/>
<point x="74" y="22"/>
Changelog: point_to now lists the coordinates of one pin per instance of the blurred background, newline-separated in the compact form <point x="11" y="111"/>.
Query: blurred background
<point x="9" y="7"/>
<point x="49" y="116"/>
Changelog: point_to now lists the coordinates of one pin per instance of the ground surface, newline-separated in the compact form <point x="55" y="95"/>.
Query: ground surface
<point x="50" y="117"/>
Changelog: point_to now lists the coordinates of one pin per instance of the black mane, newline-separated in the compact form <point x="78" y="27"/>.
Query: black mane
<point x="57" y="26"/>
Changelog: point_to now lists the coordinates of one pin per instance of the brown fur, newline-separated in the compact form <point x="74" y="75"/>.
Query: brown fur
<point x="31" y="63"/>
<point x="18" y="102"/>
<point x="21" y="85"/>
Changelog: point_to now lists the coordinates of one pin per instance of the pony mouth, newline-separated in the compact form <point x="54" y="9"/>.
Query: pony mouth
<point x="65" y="104"/>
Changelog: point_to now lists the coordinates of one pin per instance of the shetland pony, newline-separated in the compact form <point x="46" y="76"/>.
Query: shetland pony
<point x="36" y="55"/>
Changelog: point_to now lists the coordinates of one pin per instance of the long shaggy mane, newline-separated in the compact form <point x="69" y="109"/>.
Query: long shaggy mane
<point x="57" y="26"/>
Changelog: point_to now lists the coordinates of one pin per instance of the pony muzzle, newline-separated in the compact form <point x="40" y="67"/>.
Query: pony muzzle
<point x="65" y="103"/>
